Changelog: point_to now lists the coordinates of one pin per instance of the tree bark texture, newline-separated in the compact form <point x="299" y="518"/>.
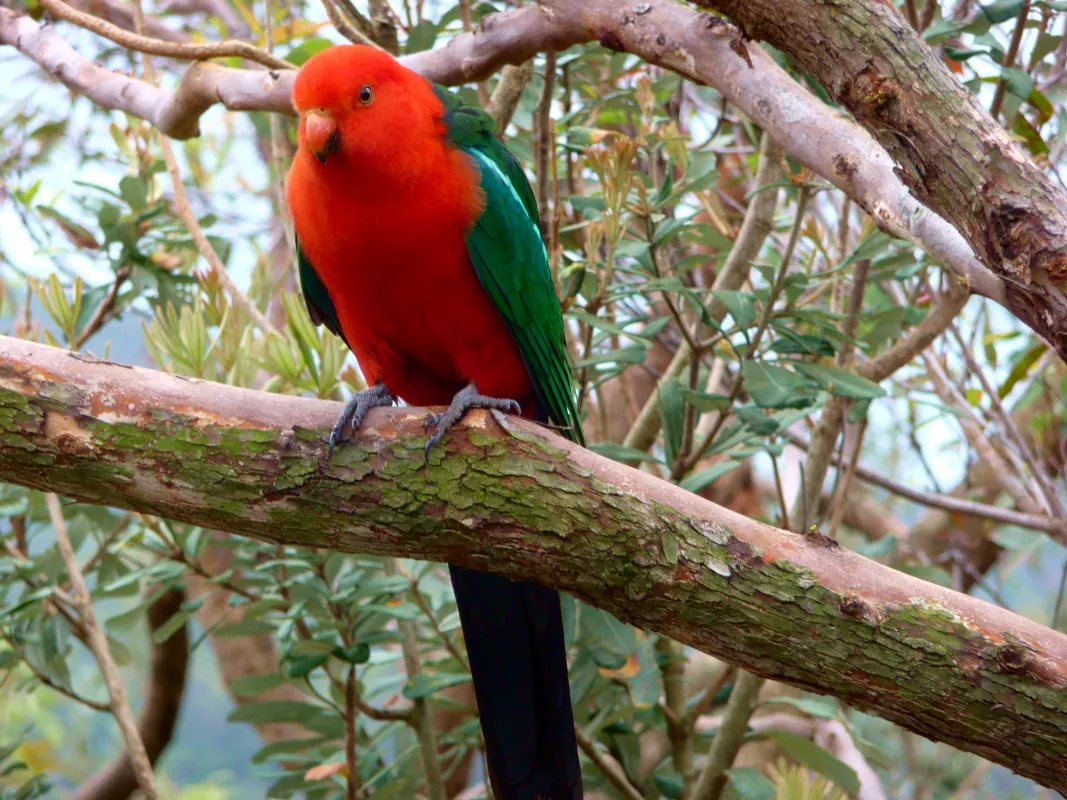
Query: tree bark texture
<point x="524" y="503"/>
<point x="951" y="154"/>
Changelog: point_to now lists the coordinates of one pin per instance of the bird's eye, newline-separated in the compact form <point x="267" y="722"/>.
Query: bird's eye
<point x="366" y="95"/>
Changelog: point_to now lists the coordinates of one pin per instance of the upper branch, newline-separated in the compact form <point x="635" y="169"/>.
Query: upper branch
<point x="693" y="44"/>
<point x="949" y="151"/>
<point x="524" y="503"/>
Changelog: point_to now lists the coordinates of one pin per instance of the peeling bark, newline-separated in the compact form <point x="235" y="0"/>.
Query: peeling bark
<point x="949" y="152"/>
<point x="524" y="503"/>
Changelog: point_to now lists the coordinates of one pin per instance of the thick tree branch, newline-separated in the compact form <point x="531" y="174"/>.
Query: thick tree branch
<point x="162" y="47"/>
<point x="523" y="502"/>
<point x="949" y="151"/>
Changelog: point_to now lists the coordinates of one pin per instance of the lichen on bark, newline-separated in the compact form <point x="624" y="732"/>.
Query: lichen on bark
<point x="512" y="498"/>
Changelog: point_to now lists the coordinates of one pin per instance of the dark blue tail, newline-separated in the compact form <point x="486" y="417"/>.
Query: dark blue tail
<point x="514" y="635"/>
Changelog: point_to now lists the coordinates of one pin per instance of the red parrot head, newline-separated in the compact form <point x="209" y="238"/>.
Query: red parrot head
<point x="359" y="104"/>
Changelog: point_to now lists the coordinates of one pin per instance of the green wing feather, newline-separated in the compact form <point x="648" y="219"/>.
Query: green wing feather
<point x="509" y="257"/>
<point x="316" y="297"/>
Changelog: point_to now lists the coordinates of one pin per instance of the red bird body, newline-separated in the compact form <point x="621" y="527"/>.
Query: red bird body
<point x="407" y="297"/>
<point x="418" y="243"/>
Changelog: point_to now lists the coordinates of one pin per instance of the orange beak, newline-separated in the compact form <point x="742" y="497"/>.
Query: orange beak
<point x="322" y="135"/>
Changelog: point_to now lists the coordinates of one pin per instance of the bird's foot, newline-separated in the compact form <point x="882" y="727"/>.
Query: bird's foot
<point x="355" y="412"/>
<point x="465" y="399"/>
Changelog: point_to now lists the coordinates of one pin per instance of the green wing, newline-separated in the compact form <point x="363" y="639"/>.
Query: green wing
<point x="316" y="297"/>
<point x="509" y="257"/>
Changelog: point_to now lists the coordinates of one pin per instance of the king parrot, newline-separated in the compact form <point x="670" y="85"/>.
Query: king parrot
<point x="419" y="245"/>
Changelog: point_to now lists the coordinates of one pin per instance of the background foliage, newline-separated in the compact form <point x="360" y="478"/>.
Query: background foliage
<point x="644" y="180"/>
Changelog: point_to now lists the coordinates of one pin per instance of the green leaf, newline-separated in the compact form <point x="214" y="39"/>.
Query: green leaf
<point x="882" y="547"/>
<point x="302" y="666"/>
<point x="858" y="412"/>
<point x="1018" y="540"/>
<point x="398" y="611"/>
<point x="821" y="707"/>
<point x="252" y="685"/>
<point x="78" y="234"/>
<point x="427" y="683"/>
<point x="802" y="344"/>
<point x="840" y="382"/>
<point x="1042" y="104"/>
<point x="750" y="784"/>
<point x="576" y="312"/>
<point x="246" y="627"/>
<point x="705" y="401"/>
<point x="631" y="354"/>
<point x="134" y="192"/>
<point x="173" y="625"/>
<point x="670" y="784"/>
<point x="1034" y="143"/>
<point x="274" y="711"/>
<point x="306" y="49"/>
<point x="700" y="480"/>
<point x="1046" y="44"/>
<point x="1021" y="369"/>
<point x="422" y="37"/>
<point x="671" y="413"/>
<point x="286" y="747"/>
<point x="804" y="751"/>
<point x="644" y="686"/>
<point x="946" y="27"/>
<point x="963" y="53"/>
<point x="875" y="244"/>
<point x="356" y="654"/>
<point x="770" y="386"/>
<point x="757" y="421"/>
<point x="618" y="452"/>
<point x="608" y="641"/>
<point x="741" y="305"/>
<point x="927" y="573"/>
<point x="1019" y="82"/>
<point x="1002" y="10"/>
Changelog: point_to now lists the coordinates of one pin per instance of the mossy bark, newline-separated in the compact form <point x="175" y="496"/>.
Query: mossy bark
<point x="524" y="503"/>
<point x="950" y="153"/>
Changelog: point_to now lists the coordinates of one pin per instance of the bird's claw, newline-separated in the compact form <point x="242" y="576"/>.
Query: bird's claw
<point x="355" y="411"/>
<point x="466" y="399"/>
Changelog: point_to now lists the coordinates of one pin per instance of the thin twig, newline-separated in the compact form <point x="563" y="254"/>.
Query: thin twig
<point x="185" y="212"/>
<point x="339" y="20"/>
<point x="353" y="786"/>
<point x="729" y="737"/>
<point x="95" y="705"/>
<point x="450" y="646"/>
<point x="608" y="766"/>
<point x="423" y="720"/>
<point x="542" y="121"/>
<point x="757" y="225"/>
<point x="1051" y="525"/>
<point x="508" y="92"/>
<point x="160" y="47"/>
<point x="1009" y="58"/>
<point x="1025" y="453"/>
<point x="101" y="651"/>
<point x="680" y="468"/>
<point x="703" y="705"/>
<point x="104" y="310"/>
<point x="679" y="733"/>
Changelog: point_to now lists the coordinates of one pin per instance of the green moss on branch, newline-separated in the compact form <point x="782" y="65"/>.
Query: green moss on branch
<point x="526" y="504"/>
